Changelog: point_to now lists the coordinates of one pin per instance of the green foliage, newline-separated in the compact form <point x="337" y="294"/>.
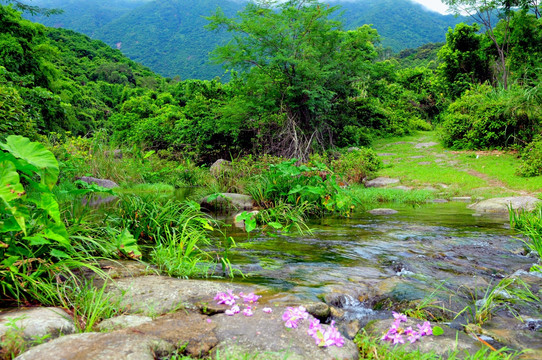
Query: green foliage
<point x="504" y="295"/>
<point x="531" y="159"/>
<point x="34" y="239"/>
<point x="462" y="61"/>
<point x="530" y="225"/>
<point x="295" y="71"/>
<point x="355" y="166"/>
<point x="489" y="118"/>
<point x="89" y="304"/>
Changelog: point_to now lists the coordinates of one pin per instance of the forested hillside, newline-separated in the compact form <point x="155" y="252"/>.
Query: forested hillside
<point x="169" y="36"/>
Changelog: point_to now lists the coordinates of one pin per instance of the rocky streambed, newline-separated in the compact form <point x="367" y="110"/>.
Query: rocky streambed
<point x="352" y="271"/>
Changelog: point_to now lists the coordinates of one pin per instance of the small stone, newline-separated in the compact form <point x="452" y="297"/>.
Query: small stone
<point x="100" y="182"/>
<point x="381" y="182"/>
<point x="425" y="145"/>
<point x="382" y="211"/>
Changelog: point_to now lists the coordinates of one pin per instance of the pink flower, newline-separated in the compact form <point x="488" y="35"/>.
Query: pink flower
<point x="399" y="317"/>
<point x="397" y="339"/>
<point x="267" y="310"/>
<point x="250" y="298"/>
<point x="413" y="337"/>
<point x="227" y="299"/>
<point x="248" y="312"/>
<point x="325" y="338"/>
<point x="425" y="329"/>
<point x="234" y="310"/>
<point x="293" y="315"/>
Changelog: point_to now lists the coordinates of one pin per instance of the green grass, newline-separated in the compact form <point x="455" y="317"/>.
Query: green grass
<point x="369" y="197"/>
<point x="492" y="174"/>
<point x="371" y="348"/>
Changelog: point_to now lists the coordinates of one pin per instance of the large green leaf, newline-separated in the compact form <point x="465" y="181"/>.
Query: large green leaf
<point x="10" y="185"/>
<point x="11" y="189"/>
<point x="36" y="155"/>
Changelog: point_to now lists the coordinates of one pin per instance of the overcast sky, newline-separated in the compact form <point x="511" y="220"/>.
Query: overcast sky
<point x="435" y="5"/>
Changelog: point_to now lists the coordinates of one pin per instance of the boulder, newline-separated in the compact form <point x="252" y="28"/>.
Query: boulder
<point x="123" y="322"/>
<point x="226" y="201"/>
<point x="501" y="205"/>
<point x="108" y="184"/>
<point x="382" y="211"/>
<point x="103" y="346"/>
<point x="266" y="336"/>
<point x="37" y="323"/>
<point x="381" y="182"/>
<point x="219" y="167"/>
<point x="154" y="295"/>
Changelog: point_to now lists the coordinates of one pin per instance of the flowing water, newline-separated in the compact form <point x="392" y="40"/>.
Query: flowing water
<point x="357" y="264"/>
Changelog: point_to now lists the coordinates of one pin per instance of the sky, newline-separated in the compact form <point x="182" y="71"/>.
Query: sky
<point x="435" y="5"/>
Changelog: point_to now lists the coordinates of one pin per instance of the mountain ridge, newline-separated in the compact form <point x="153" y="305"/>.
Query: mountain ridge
<point x="168" y="35"/>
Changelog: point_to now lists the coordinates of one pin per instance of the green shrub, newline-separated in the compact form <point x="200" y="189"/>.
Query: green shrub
<point x="35" y="245"/>
<point x="531" y="159"/>
<point x="354" y="166"/>
<point x="485" y="117"/>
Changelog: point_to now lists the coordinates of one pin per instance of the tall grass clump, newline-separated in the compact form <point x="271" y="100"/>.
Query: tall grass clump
<point x="181" y="250"/>
<point x="530" y="225"/>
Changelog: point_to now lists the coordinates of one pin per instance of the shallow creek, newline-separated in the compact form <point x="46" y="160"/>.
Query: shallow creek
<point x="372" y="262"/>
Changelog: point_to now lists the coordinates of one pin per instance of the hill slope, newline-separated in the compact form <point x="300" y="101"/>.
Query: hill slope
<point x="168" y="35"/>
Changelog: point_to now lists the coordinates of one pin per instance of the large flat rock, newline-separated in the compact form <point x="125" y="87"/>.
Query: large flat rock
<point x="100" y="346"/>
<point x="266" y="336"/>
<point x="500" y="205"/>
<point x="35" y="323"/>
<point x="154" y="295"/>
<point x="151" y="340"/>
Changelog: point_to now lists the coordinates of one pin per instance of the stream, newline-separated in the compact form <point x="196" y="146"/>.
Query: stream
<point x="365" y="264"/>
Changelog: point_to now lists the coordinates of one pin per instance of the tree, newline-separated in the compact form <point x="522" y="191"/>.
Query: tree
<point x="296" y="66"/>
<point x="462" y="59"/>
<point x="485" y="12"/>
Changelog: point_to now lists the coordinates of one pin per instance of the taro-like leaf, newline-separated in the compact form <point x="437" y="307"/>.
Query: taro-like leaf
<point x="36" y="155"/>
<point x="11" y="189"/>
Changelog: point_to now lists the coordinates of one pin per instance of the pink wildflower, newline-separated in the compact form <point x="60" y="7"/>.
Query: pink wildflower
<point x="293" y="315"/>
<point x="267" y="310"/>
<point x="425" y="329"/>
<point x="399" y="317"/>
<point x="234" y="310"/>
<point x="248" y="312"/>
<point x="227" y="299"/>
<point x="250" y="298"/>
<point x="414" y="336"/>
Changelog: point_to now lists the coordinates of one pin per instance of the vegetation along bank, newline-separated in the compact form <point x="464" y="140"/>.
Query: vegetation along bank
<point x="182" y="219"/>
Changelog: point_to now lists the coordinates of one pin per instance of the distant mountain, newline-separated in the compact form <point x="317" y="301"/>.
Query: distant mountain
<point x="168" y="35"/>
<point x="402" y="24"/>
<point x="85" y="16"/>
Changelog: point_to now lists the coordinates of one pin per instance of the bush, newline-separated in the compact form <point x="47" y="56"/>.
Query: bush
<point x="490" y="118"/>
<point x="357" y="165"/>
<point x="531" y="159"/>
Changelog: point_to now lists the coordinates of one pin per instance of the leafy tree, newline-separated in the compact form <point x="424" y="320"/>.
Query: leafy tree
<point x="296" y="65"/>
<point x="485" y="12"/>
<point x="462" y="59"/>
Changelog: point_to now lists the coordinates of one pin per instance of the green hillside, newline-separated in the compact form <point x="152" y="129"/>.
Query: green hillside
<point x="169" y="36"/>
